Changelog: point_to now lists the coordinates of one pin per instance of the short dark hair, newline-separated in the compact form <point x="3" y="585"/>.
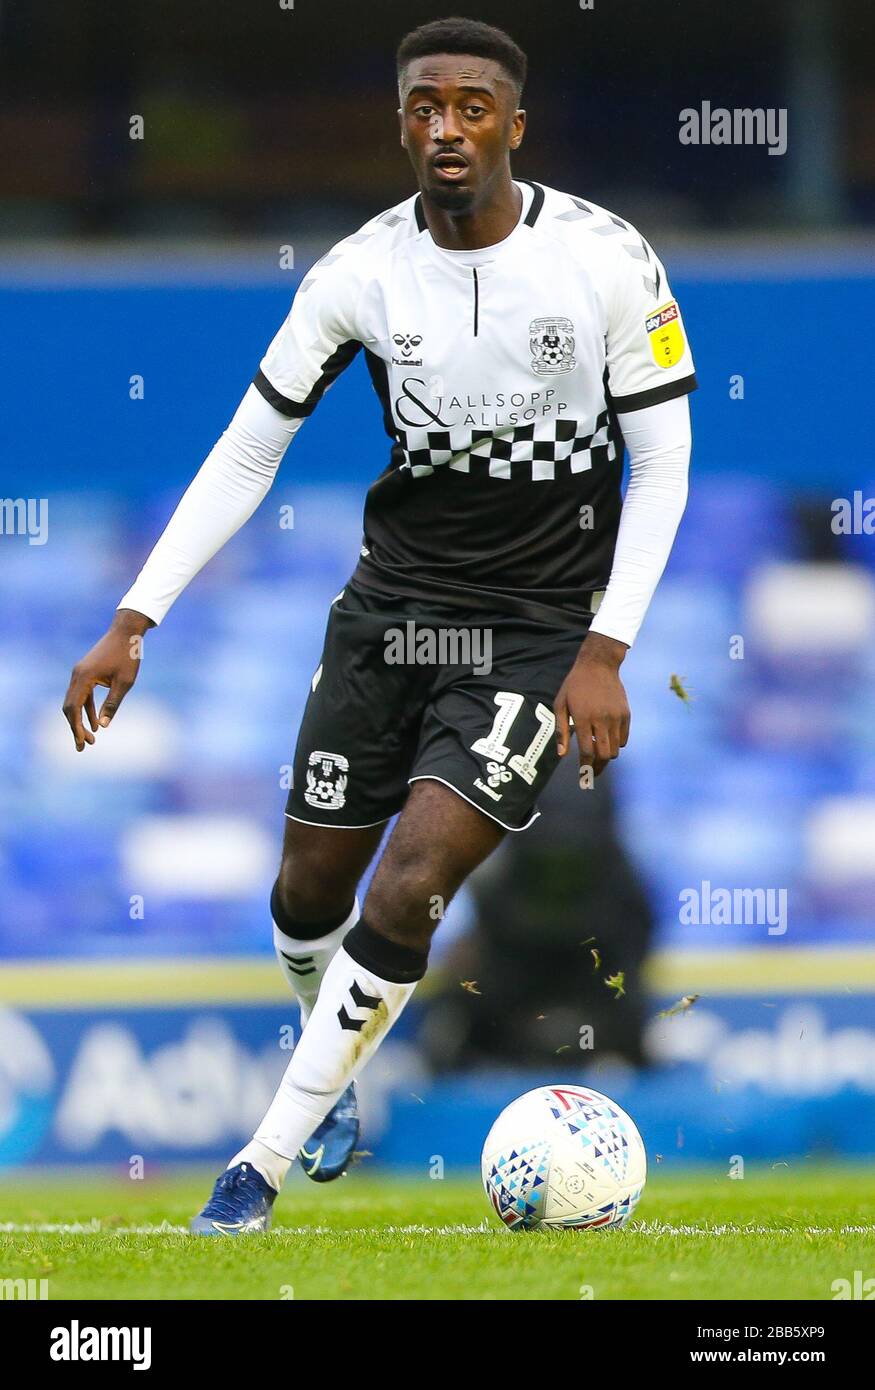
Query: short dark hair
<point x="465" y="36"/>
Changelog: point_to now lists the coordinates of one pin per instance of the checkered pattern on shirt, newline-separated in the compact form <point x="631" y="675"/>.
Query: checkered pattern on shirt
<point x="544" y="449"/>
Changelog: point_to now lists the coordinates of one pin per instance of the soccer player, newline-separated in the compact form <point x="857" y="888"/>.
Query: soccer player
<point x="519" y="340"/>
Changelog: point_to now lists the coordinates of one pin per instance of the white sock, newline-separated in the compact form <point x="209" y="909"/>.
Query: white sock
<point x="352" y="1015"/>
<point x="272" y="1167"/>
<point x="303" y="963"/>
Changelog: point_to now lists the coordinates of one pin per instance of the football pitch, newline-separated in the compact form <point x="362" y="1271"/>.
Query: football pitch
<point x="780" y="1233"/>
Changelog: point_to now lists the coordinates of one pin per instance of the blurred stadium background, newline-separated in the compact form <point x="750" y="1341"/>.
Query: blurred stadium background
<point x="140" y="1008"/>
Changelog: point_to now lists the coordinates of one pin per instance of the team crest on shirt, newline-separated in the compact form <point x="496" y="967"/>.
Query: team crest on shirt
<point x="665" y="335"/>
<point x="552" y="344"/>
<point x="327" y="776"/>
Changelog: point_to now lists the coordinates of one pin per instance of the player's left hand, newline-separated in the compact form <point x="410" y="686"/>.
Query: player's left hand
<point x="593" y="701"/>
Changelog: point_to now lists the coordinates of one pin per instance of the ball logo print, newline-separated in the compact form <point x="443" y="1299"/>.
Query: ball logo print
<point x="327" y="776"/>
<point x="563" y="1156"/>
<point x="552" y="344"/>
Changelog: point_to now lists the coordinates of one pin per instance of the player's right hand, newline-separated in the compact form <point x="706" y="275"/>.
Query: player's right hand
<point x="113" y="662"/>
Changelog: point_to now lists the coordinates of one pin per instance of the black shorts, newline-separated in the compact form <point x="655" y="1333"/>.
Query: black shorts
<point x="407" y="690"/>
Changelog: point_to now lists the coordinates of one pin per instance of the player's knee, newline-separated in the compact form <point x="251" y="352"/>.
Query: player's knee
<point x="309" y="889"/>
<point x="407" y="901"/>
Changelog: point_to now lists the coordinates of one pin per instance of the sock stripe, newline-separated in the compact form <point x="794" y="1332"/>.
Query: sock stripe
<point x="362" y="1000"/>
<point x="311" y="970"/>
<point x="353" y="1025"/>
<point x="388" y="960"/>
<point x="304" y="931"/>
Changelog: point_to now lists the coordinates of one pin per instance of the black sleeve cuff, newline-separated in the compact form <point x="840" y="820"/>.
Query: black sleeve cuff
<point x="293" y="409"/>
<point x="656" y="395"/>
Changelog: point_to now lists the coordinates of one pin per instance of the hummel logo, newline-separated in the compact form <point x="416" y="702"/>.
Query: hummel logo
<point x="407" y="342"/>
<point x="299" y="965"/>
<point x="361" y="1001"/>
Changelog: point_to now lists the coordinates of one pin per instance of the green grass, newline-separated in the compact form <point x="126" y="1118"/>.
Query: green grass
<point x="776" y="1234"/>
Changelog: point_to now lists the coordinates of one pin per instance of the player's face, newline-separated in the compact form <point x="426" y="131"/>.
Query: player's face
<point x="459" y="121"/>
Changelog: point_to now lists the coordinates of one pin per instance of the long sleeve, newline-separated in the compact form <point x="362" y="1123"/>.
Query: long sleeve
<point x="233" y="480"/>
<point x="658" y="439"/>
<point x="314" y="345"/>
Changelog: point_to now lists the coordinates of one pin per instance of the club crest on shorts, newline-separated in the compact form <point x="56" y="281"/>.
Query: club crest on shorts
<point x="552" y="344"/>
<point x="327" y="776"/>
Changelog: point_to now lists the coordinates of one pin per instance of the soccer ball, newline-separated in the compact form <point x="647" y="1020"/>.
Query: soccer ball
<point x="563" y="1156"/>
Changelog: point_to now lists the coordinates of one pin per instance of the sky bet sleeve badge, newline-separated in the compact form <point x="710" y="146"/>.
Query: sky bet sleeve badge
<point x="666" y="336"/>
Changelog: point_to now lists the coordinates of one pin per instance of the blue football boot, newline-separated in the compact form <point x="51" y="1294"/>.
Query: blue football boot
<point x="327" y="1152"/>
<point x="240" y="1205"/>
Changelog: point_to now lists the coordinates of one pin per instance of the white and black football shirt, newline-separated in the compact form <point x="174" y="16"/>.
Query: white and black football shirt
<point x="501" y="373"/>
